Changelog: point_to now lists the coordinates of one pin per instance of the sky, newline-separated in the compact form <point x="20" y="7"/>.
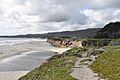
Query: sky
<point x="42" y="16"/>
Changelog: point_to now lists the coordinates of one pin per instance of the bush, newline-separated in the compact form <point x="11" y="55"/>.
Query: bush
<point x="96" y="42"/>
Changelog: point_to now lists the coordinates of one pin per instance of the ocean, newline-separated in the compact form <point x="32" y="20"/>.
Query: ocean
<point x="12" y="41"/>
<point x="25" y="61"/>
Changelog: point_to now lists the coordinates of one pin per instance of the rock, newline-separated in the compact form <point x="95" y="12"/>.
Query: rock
<point x="65" y="42"/>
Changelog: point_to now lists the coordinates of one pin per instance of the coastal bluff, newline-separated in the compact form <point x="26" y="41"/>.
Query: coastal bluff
<point x="65" y="42"/>
<point x="71" y="43"/>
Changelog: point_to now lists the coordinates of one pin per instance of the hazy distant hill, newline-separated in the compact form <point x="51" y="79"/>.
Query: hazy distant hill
<point x="88" y="33"/>
<point x="111" y="30"/>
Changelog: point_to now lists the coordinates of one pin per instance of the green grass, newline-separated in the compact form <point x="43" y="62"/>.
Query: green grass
<point x="108" y="65"/>
<point x="75" y="52"/>
<point x="57" y="68"/>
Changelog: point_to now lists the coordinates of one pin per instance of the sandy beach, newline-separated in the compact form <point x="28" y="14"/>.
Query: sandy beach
<point x="11" y="50"/>
<point x="16" y="53"/>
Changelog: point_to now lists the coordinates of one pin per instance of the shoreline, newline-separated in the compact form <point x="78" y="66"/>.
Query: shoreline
<point x="18" y="49"/>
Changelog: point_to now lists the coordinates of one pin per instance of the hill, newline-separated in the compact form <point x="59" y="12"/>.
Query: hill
<point x="88" y="33"/>
<point x="111" y="30"/>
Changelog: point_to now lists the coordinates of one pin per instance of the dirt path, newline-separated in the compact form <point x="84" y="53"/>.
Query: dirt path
<point x="83" y="72"/>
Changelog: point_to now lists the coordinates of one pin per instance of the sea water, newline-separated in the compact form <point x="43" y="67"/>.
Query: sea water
<point x="26" y="61"/>
<point x="12" y="41"/>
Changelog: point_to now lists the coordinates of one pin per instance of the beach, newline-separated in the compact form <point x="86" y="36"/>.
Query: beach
<point x="17" y="59"/>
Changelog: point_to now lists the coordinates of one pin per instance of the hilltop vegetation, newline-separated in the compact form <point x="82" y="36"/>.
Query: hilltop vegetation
<point x="96" y="42"/>
<point x="111" y="30"/>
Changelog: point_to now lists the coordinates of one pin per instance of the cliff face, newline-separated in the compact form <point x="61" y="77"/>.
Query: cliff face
<point x="65" y="43"/>
<point x="82" y="43"/>
<point x="111" y="30"/>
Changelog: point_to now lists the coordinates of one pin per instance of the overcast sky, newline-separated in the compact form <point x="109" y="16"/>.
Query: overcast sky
<point x="41" y="16"/>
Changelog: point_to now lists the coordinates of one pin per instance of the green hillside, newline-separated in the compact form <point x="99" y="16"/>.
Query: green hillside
<point x="108" y="65"/>
<point x="111" y="30"/>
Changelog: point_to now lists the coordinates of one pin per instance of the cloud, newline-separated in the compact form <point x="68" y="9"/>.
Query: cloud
<point x="99" y="18"/>
<point x="39" y="16"/>
<point x="103" y="4"/>
<point x="79" y="18"/>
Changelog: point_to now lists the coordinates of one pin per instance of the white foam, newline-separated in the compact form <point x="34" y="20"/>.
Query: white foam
<point x="12" y="41"/>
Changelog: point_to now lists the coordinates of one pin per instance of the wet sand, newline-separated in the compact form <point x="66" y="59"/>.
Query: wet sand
<point x="16" y="60"/>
